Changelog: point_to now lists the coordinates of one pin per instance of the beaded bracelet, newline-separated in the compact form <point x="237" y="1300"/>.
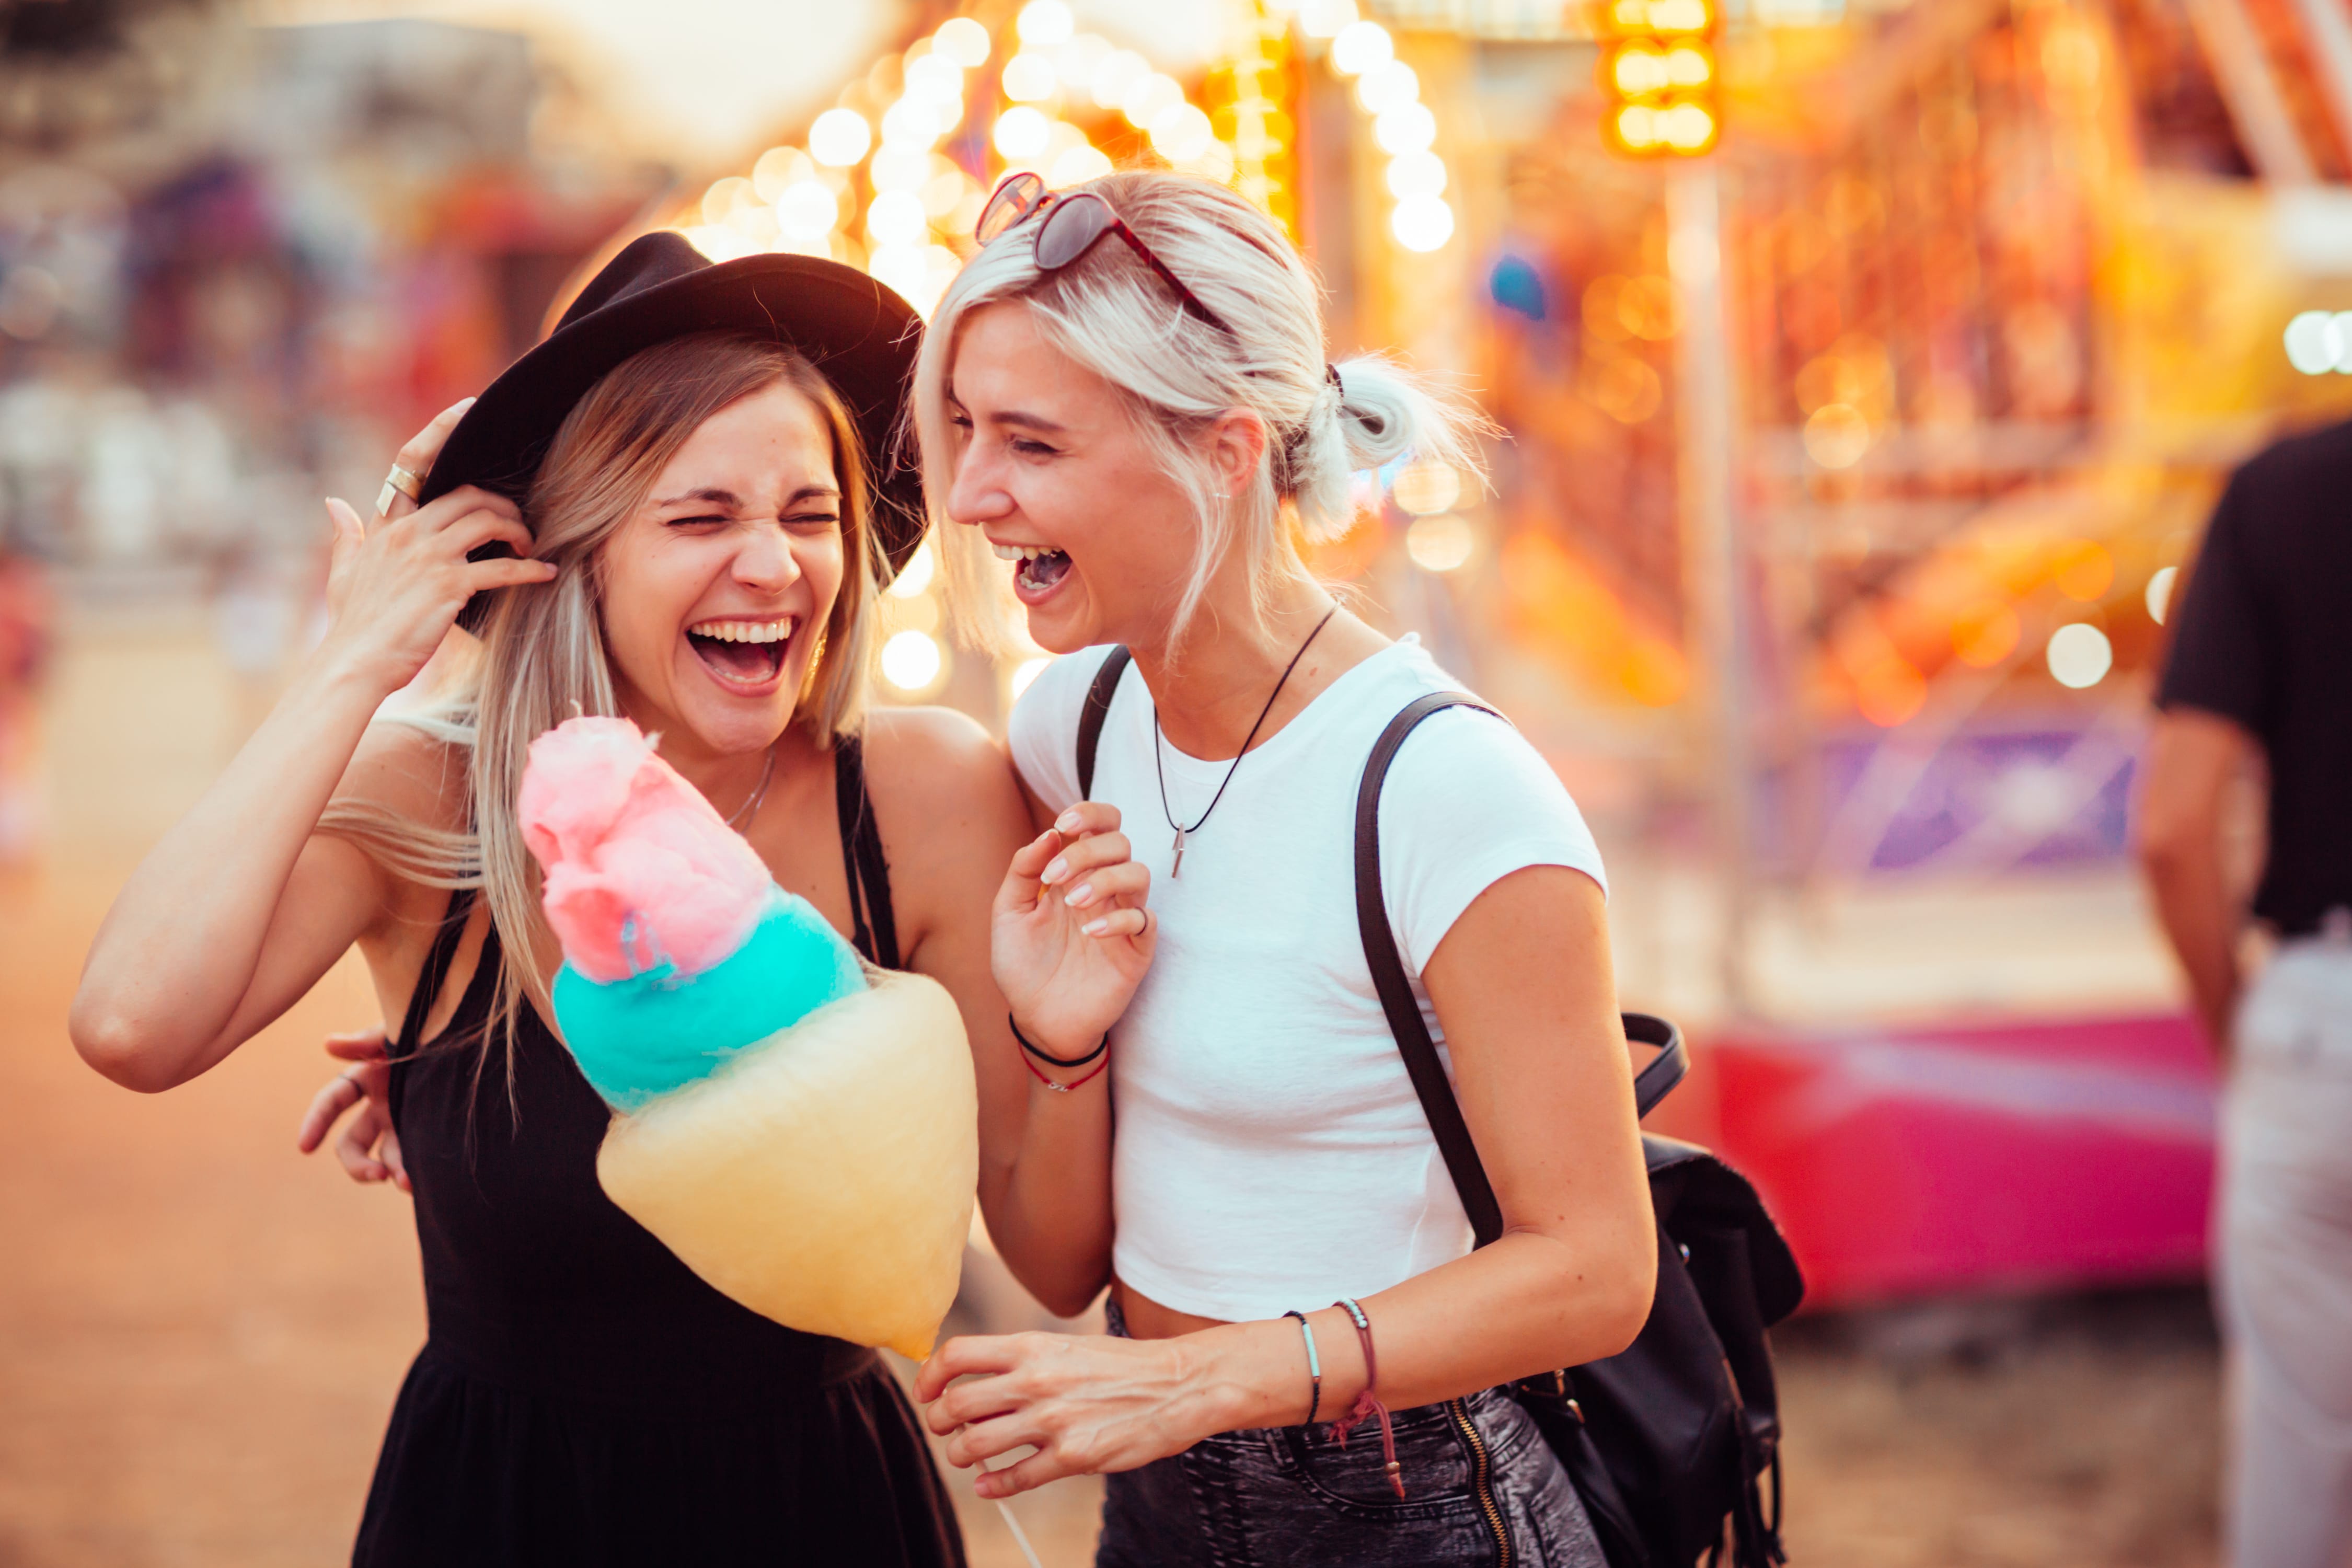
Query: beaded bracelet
<point x="1314" y="1366"/>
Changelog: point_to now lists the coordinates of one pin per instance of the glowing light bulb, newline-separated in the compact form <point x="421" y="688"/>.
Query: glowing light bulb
<point x="807" y="210"/>
<point x="1117" y="75"/>
<point x="2079" y="655"/>
<point x="916" y="574"/>
<point x="1407" y="128"/>
<point x="1416" y="173"/>
<point x="779" y="169"/>
<point x="1044" y="22"/>
<point x="1143" y="102"/>
<point x="1440" y="542"/>
<point x="1360" y="46"/>
<point x="936" y="78"/>
<point x="1386" y="86"/>
<point x="912" y="661"/>
<point x="719" y="202"/>
<point x="962" y="40"/>
<point x="1030" y="77"/>
<point x="1421" y="223"/>
<point x="896" y="218"/>
<point x="839" y="137"/>
<point x="1021" y="133"/>
<point x="1180" y="133"/>
<point x="900" y="168"/>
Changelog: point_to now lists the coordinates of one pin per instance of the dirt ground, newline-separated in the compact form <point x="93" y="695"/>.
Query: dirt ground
<point x="200" y="1332"/>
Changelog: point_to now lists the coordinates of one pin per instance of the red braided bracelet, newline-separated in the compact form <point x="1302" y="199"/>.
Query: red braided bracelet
<point x="1366" y="1403"/>
<point x="1065" y="1088"/>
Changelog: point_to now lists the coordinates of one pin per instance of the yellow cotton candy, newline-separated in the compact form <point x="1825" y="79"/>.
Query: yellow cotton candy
<point x="825" y="1176"/>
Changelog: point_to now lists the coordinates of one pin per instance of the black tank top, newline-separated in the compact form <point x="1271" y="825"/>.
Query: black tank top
<point x="583" y="1395"/>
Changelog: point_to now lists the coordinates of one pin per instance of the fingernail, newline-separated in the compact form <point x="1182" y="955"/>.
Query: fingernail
<point x="1056" y="871"/>
<point x="1095" y="928"/>
<point x="1080" y="896"/>
<point x="1067" y="821"/>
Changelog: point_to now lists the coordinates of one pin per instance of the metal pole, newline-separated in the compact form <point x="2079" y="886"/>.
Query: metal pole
<point x="1711" y="592"/>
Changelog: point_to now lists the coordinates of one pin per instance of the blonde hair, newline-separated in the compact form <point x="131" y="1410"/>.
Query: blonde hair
<point x="542" y="656"/>
<point x="1176" y="374"/>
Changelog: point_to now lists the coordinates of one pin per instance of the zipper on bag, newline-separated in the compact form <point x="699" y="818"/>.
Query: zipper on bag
<point x="1482" y="1479"/>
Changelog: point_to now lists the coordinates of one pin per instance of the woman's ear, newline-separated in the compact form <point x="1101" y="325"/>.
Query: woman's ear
<point x="1236" y="447"/>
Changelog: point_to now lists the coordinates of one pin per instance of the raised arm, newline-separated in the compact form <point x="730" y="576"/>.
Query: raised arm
<point x="240" y="909"/>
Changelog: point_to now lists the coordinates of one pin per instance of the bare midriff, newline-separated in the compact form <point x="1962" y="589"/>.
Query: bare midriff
<point x="1147" y="1320"/>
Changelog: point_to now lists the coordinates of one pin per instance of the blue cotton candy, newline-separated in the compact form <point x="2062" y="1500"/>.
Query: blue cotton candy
<point x="654" y="1032"/>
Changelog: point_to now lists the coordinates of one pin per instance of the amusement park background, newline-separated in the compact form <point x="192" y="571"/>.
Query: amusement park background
<point x="1844" y="469"/>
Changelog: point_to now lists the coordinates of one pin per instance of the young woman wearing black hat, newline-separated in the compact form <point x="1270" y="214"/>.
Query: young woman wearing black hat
<point x="663" y="511"/>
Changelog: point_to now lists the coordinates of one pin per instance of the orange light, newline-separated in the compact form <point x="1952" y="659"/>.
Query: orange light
<point x="1687" y="127"/>
<point x="1689" y="65"/>
<point x="1637" y="129"/>
<point x="1983" y="635"/>
<point x="1639" y="71"/>
<point x="2083" y="570"/>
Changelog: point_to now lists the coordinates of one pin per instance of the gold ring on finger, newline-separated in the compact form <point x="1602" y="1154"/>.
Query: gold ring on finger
<point x="400" y="481"/>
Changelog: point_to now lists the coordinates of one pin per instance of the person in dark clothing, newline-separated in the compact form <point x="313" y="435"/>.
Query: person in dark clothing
<point x="2260" y="673"/>
<point x="686" y="535"/>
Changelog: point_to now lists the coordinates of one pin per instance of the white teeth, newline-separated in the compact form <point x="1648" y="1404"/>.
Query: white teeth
<point x="1021" y="552"/>
<point x="746" y="631"/>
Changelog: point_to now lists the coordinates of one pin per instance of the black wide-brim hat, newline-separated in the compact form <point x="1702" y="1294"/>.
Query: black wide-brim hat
<point x="861" y="336"/>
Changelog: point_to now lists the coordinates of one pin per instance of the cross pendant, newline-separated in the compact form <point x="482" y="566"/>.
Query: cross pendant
<point x="1178" y="869"/>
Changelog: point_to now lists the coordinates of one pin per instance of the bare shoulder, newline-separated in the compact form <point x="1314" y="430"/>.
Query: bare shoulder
<point x="935" y="760"/>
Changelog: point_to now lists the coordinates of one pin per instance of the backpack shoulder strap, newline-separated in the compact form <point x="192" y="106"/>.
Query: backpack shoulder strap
<point x="1420" y="1052"/>
<point x="1090" y="717"/>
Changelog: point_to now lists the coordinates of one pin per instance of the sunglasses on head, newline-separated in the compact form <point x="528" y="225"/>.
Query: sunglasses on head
<point x="1068" y="229"/>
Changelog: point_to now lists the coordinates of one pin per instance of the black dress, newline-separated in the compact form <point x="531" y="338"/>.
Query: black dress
<point x="582" y="1397"/>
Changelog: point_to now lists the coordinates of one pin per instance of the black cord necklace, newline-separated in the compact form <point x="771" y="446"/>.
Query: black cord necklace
<point x="1183" y="832"/>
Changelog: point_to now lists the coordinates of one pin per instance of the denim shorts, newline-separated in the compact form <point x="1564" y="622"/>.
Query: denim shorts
<point x="1481" y="1486"/>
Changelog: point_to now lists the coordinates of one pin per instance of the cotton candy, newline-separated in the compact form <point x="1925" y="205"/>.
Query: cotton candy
<point x="801" y="1131"/>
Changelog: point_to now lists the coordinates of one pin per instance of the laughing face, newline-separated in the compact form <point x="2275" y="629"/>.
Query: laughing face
<point x="716" y="587"/>
<point x="1042" y="442"/>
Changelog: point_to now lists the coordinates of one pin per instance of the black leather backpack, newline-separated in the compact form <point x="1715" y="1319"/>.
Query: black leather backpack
<point x="1674" y="1440"/>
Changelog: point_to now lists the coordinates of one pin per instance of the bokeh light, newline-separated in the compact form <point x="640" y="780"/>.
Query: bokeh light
<point x="962" y="40"/>
<point x="1021" y="133"/>
<point x="1360" y="46"/>
<point x="1427" y="487"/>
<point x="1421" y="223"/>
<point x="916" y="574"/>
<point x="839" y="137"/>
<point x="914" y="662"/>
<point x="1441" y="542"/>
<point x="2160" y="593"/>
<point x="1837" y="436"/>
<point x="2079" y="655"/>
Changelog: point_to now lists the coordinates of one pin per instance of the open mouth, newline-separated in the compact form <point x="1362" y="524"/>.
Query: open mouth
<point x="1040" y="568"/>
<point x="742" y="652"/>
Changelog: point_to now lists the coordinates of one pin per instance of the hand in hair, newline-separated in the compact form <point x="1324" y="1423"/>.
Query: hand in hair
<point x="395" y="587"/>
<point x="1070" y="938"/>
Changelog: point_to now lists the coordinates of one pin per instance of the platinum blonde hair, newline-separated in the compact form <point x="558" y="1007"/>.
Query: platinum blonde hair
<point x="1176" y="374"/>
<point x="542" y="658"/>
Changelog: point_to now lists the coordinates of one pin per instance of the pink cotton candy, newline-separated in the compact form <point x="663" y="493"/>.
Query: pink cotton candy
<point x="640" y="870"/>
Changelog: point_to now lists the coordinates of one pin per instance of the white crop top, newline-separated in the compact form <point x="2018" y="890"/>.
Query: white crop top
<point x="1270" y="1153"/>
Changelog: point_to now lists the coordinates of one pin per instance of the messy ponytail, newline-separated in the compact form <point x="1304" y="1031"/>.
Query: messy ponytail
<point x="1176" y="374"/>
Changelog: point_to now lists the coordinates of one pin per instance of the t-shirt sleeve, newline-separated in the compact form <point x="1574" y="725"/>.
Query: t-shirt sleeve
<point x="1044" y="729"/>
<point x="2224" y="658"/>
<point x="1467" y="802"/>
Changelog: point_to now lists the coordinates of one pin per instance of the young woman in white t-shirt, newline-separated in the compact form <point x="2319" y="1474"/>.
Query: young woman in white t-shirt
<point x="1135" y="415"/>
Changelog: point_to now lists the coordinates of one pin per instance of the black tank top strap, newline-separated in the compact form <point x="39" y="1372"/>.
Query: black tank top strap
<point x="874" y="928"/>
<point x="438" y="960"/>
